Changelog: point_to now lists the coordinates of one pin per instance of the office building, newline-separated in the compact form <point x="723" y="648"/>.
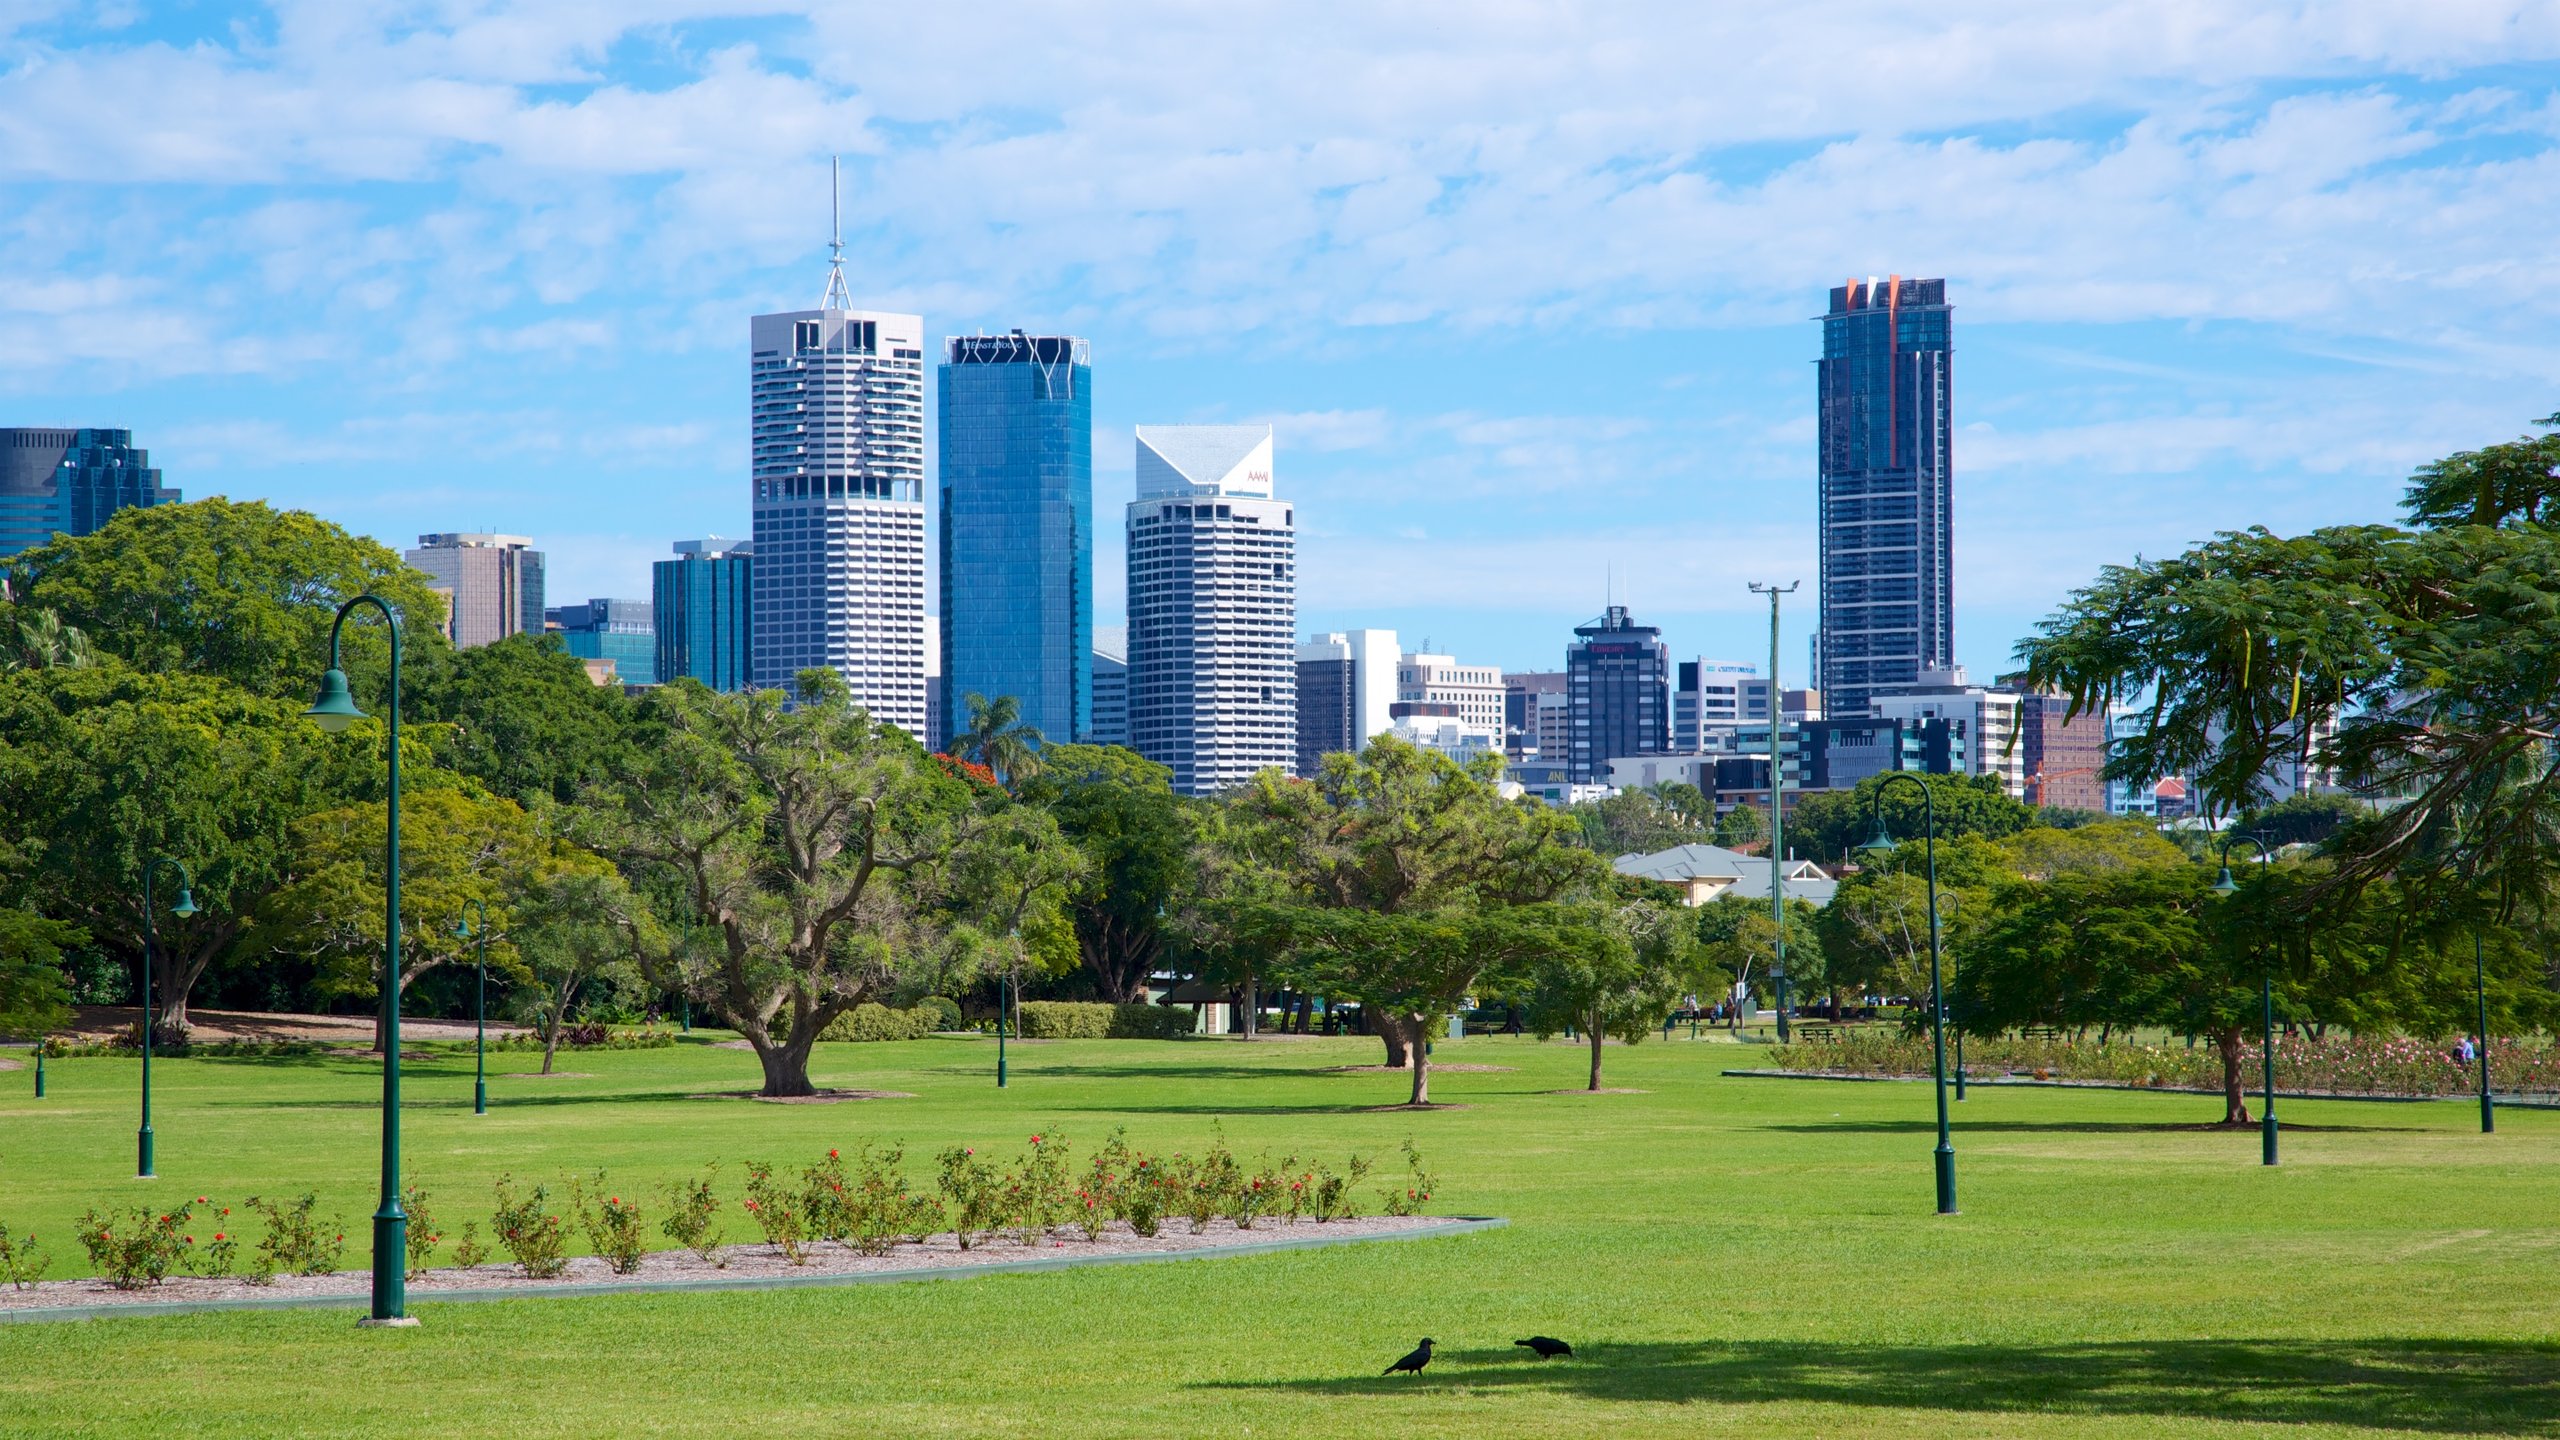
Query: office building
<point x="1537" y="715"/>
<point x="837" y="430"/>
<point x="1347" y="684"/>
<point x="1016" y="460"/>
<point x="1886" y="459"/>
<point x="702" y="605"/>
<point x="1710" y="692"/>
<point x="68" y="482"/>
<point x="1212" y="607"/>
<point x="492" y="584"/>
<point x="1476" y="690"/>
<point x="1110" y="699"/>
<point x="1619" y="682"/>
<point x="614" y="630"/>
<point x="1986" y="717"/>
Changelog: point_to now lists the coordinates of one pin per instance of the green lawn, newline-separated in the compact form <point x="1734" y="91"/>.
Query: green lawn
<point x="1733" y="1257"/>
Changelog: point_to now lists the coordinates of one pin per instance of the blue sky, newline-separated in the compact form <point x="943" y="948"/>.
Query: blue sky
<point x="1527" y="288"/>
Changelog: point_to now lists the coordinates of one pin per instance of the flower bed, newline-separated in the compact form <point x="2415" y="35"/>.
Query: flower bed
<point x="2338" y="1064"/>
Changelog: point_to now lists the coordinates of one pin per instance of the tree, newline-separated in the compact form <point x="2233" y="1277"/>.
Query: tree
<point x="1393" y="833"/>
<point x="521" y="717"/>
<point x="45" y="643"/>
<point x="33" y="998"/>
<point x="2304" y="819"/>
<point x="1740" y="826"/>
<point x="1735" y="933"/>
<point x="1136" y="835"/>
<point x="1617" y="973"/>
<point x="1636" y="821"/>
<point x="997" y="738"/>
<point x="1829" y="825"/>
<point x="103" y="770"/>
<point x="234" y="590"/>
<point x="2517" y="483"/>
<point x="824" y="856"/>
<point x="575" y="926"/>
<point x="455" y="847"/>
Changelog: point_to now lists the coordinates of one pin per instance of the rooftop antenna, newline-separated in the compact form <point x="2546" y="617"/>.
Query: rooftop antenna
<point x="838" y="297"/>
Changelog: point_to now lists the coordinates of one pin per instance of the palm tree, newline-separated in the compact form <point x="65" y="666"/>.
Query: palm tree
<point x="45" y="643"/>
<point x="997" y="738"/>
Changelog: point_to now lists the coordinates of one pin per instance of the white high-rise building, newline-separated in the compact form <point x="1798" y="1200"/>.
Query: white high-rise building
<point x="1477" y="690"/>
<point x="1988" y="718"/>
<point x="839" y="504"/>
<point x="1212" y="607"/>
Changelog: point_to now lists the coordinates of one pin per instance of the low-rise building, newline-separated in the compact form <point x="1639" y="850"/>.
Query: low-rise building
<point x="1705" y="873"/>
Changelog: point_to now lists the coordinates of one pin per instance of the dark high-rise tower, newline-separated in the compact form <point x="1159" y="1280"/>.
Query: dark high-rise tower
<point x="1620" y="683"/>
<point x="1017" y="529"/>
<point x="1887" y="458"/>
<point x="68" y="482"/>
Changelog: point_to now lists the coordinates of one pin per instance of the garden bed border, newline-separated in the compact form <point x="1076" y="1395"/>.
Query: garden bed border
<point x="1450" y="1225"/>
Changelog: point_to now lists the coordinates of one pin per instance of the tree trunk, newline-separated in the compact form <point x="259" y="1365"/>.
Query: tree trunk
<point x="1252" y="1008"/>
<point x="2235" y="1104"/>
<point x="786" y="1066"/>
<point x="1398" y="1037"/>
<point x="1421" y="1048"/>
<point x="1597" y="1035"/>
<point x="550" y="1043"/>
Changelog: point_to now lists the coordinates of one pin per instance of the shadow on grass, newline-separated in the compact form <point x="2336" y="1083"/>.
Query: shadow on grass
<point x="2081" y="1127"/>
<point x="1035" y="1066"/>
<point x="2492" y="1387"/>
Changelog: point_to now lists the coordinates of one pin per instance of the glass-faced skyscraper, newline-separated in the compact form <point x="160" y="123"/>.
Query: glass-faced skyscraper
<point x="67" y="482"/>
<point x="1887" y="461"/>
<point x="702" y="605"/>
<point x="1017" y="529"/>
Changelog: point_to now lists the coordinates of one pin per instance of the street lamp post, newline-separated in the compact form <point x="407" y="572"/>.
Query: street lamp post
<point x="150" y="1027"/>
<point x="1004" y="1007"/>
<point x="335" y="710"/>
<point x="2223" y="885"/>
<point x="1880" y="846"/>
<point x="2480" y="992"/>
<point x="480" y="1003"/>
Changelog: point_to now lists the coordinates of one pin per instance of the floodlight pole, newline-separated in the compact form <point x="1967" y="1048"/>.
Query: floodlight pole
<point x="1883" y="843"/>
<point x="1777" y="809"/>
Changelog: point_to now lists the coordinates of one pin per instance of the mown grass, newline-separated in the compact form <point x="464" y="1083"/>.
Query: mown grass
<point x="1732" y="1257"/>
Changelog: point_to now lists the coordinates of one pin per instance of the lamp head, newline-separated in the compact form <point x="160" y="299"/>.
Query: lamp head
<point x="335" y="709"/>
<point x="2222" y="884"/>
<point x="462" y="927"/>
<point x="1878" y="845"/>
<point x="186" y="905"/>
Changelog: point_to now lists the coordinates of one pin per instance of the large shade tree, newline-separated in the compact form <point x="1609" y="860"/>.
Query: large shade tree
<point x="1119" y="809"/>
<point x="819" y="857"/>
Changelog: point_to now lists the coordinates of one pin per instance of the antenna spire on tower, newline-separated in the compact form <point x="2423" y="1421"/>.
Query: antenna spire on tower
<point x="838" y="297"/>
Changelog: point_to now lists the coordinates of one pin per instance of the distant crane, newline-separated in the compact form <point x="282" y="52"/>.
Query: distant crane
<point x="2036" y="782"/>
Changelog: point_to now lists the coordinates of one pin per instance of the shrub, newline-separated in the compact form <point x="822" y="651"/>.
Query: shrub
<point x="870" y="1021"/>
<point x="1108" y="1178"/>
<point x="220" y="1251"/>
<point x="530" y="1231"/>
<point x="1065" y="1020"/>
<point x="1144" y="1193"/>
<point x="1257" y="1194"/>
<point x="972" y="1194"/>
<point x="297" y="1242"/>
<point x="884" y="1210"/>
<point x="423" y="1235"/>
<point x="22" y="1262"/>
<point x="1416" y="1190"/>
<point x="136" y="1248"/>
<point x="62" y="1047"/>
<point x="775" y="1208"/>
<point x="1150" y="1022"/>
<point x="168" y="1037"/>
<point x="691" y="1204"/>
<point x="824" y="1199"/>
<point x="612" y="1225"/>
<point x="946" y="1012"/>
<point x="1330" y="1195"/>
<point x="1036" y="1192"/>
<point x="591" y="1035"/>
<point x="468" y="1251"/>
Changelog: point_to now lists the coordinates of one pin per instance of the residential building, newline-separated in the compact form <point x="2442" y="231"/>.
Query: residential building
<point x="1620" y="688"/>
<point x="702" y="604"/>
<point x="2064" y="753"/>
<point x="1537" y="715"/>
<point x="1016" y="459"/>
<point x="615" y="630"/>
<point x="1987" y="718"/>
<point x="1709" y="692"/>
<point x="1886" y="464"/>
<point x="1347" y="680"/>
<point x="68" y="482"/>
<point x="837" y="429"/>
<point x="492" y="584"/>
<point x="1110" y="699"/>
<point x="1476" y="690"/>
<point x="1703" y="873"/>
<point x="1212" y="607"/>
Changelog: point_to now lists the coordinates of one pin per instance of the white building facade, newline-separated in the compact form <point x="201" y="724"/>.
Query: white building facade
<point x="838" y="465"/>
<point x="1989" y="718"/>
<point x="1477" y="690"/>
<point x="1212" y="607"/>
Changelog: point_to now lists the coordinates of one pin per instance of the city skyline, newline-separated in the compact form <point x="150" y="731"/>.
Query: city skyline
<point x="1495" y="380"/>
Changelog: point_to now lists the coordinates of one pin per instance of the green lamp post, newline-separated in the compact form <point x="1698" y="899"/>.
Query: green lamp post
<point x="479" y="1004"/>
<point x="335" y="710"/>
<point x="40" y="1067"/>
<point x="2223" y="885"/>
<point x="1880" y="846"/>
<point x="2480" y="993"/>
<point x="185" y="907"/>
<point x="1004" y="1009"/>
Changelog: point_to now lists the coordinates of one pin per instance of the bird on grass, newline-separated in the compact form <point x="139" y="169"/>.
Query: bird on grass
<point x="1547" y="1346"/>
<point x="1413" y="1362"/>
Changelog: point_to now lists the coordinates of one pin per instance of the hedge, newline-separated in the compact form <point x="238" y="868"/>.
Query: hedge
<point x="1092" y="1020"/>
<point x="870" y="1021"/>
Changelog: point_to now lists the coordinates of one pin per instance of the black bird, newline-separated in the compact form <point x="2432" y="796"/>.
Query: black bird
<point x="1413" y="1362"/>
<point x="1547" y="1346"/>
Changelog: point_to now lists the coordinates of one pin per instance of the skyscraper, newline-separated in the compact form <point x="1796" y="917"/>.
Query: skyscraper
<point x="492" y="584"/>
<point x="615" y="630"/>
<point x="702" y="604"/>
<point x="1347" y="690"/>
<point x="67" y="482"/>
<point x="838" y="433"/>
<point x="1017" y="528"/>
<point x="1887" y="460"/>
<point x="1620" y="684"/>
<point x="1110" y="698"/>
<point x="1212" y="607"/>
